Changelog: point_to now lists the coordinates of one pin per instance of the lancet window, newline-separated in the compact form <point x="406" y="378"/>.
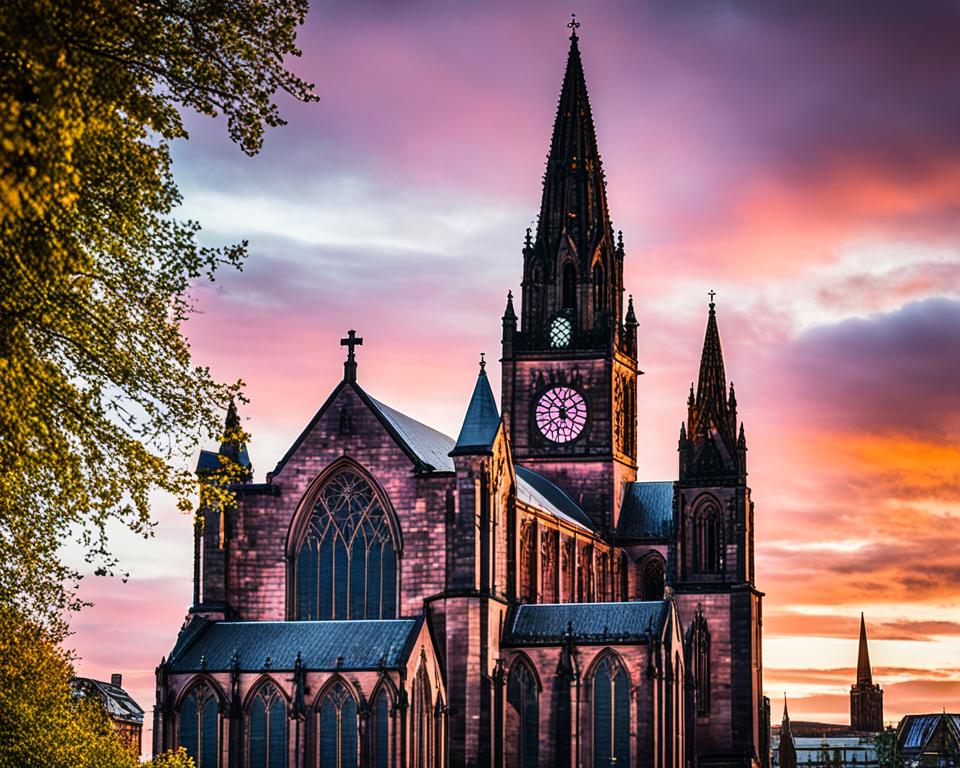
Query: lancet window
<point x="611" y="714"/>
<point x="199" y="722"/>
<point x="522" y="695"/>
<point x="267" y="728"/>
<point x="337" y="729"/>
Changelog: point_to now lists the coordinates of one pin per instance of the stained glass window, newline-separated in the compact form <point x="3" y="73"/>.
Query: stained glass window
<point x="522" y="696"/>
<point x="346" y="565"/>
<point x="267" y="729"/>
<point x="653" y="579"/>
<point x="611" y="715"/>
<point x="561" y="414"/>
<point x="707" y="540"/>
<point x="337" y="737"/>
<point x="200" y="726"/>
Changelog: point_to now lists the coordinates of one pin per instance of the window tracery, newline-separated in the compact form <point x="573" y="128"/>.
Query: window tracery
<point x="611" y="714"/>
<point x="346" y="565"/>
<point x="199" y="722"/>
<point x="337" y="729"/>
<point x="523" y="697"/>
<point x="267" y="729"/>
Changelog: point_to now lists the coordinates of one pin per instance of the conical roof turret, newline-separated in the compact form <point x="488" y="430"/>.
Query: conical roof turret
<point x="482" y="421"/>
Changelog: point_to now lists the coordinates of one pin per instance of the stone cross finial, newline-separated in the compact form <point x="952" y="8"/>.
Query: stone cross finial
<point x="573" y="26"/>
<point x="351" y="342"/>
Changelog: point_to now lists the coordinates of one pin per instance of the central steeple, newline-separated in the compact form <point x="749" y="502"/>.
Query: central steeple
<point x="573" y="265"/>
<point x="574" y="203"/>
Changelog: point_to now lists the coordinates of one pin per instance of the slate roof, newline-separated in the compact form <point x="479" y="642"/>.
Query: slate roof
<point x="482" y="421"/>
<point x="117" y="703"/>
<point x="591" y="623"/>
<point x="647" y="511"/>
<point x="916" y="730"/>
<point x="208" y="461"/>
<point x="537" y="491"/>
<point x="323" y="645"/>
<point x="429" y="446"/>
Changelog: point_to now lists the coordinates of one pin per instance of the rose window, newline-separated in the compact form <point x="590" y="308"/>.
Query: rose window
<point x="561" y="414"/>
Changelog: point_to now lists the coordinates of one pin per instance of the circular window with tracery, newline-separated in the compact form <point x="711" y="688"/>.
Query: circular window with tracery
<point x="561" y="414"/>
<point x="561" y="331"/>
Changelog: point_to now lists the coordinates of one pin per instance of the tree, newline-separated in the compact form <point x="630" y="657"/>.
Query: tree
<point x="100" y="400"/>
<point x="41" y="722"/>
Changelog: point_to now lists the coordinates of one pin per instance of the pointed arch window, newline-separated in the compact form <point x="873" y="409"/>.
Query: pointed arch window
<point x="421" y="720"/>
<point x="611" y="715"/>
<point x="346" y="564"/>
<point x="569" y="290"/>
<point x="653" y="579"/>
<point x="548" y="566"/>
<point x="380" y="731"/>
<point x="199" y="721"/>
<point x="707" y="539"/>
<point x="523" y="697"/>
<point x="267" y="729"/>
<point x="337" y="729"/>
<point x="599" y="294"/>
<point x="701" y="663"/>
<point x="528" y="575"/>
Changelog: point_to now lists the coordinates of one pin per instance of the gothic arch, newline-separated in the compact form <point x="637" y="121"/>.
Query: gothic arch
<point x="520" y="657"/>
<point x="707" y="535"/>
<point x="609" y="692"/>
<point x="523" y="699"/>
<point x="343" y="549"/>
<point x="336" y="711"/>
<point x="382" y="724"/>
<point x="652" y="576"/>
<point x="265" y="717"/>
<point x="423" y="718"/>
<point x="599" y="287"/>
<point x="199" y="722"/>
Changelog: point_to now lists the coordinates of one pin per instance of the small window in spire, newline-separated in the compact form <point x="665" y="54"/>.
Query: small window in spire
<point x="569" y="286"/>
<point x="599" y="299"/>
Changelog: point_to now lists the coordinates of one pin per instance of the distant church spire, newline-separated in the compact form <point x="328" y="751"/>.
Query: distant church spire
<point x="787" y="749"/>
<point x="864" y="673"/>
<point x="482" y="419"/>
<point x="866" y="697"/>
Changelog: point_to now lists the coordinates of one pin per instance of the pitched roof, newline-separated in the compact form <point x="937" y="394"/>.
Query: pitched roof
<point x="482" y="421"/>
<point x="537" y="491"/>
<point x="323" y="645"/>
<point x="116" y="701"/>
<point x="647" y="511"/>
<point x="431" y="447"/>
<point x="915" y="730"/>
<point x="590" y="623"/>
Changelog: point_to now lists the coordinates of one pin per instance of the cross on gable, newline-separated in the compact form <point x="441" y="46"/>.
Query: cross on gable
<point x="352" y="341"/>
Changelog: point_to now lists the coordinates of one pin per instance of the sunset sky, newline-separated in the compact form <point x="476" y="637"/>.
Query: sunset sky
<point x="801" y="159"/>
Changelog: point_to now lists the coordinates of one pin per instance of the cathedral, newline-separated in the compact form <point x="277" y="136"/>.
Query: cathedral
<point x="390" y="596"/>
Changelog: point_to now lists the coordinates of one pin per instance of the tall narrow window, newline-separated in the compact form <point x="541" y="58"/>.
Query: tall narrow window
<point x="599" y="295"/>
<point x="267" y="729"/>
<point x="568" y="569"/>
<point x="337" y="729"/>
<point x="200" y="726"/>
<point x="611" y="715"/>
<point x="380" y="731"/>
<point x="522" y="696"/>
<point x="548" y="566"/>
<point x="346" y="566"/>
<point x="528" y="575"/>
<point x="707" y="540"/>
<point x="421" y="719"/>
<point x="653" y="579"/>
<point x="569" y="286"/>
<point x="701" y="662"/>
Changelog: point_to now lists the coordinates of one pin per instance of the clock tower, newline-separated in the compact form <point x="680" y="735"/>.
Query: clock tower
<point x="570" y="369"/>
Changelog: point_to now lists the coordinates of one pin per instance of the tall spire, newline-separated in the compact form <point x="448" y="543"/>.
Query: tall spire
<point x="712" y="383"/>
<point x="714" y="448"/>
<point x="574" y="191"/>
<point x="864" y="673"/>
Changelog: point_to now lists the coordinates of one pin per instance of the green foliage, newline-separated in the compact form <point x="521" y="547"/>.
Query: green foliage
<point x="173" y="759"/>
<point x="887" y="756"/>
<point x="41" y="721"/>
<point x="100" y="401"/>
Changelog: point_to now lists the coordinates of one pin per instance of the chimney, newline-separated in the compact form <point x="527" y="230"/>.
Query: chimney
<point x="116" y="679"/>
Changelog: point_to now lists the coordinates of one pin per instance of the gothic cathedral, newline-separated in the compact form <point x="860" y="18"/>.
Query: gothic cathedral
<point x="392" y="597"/>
